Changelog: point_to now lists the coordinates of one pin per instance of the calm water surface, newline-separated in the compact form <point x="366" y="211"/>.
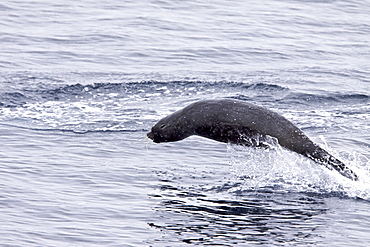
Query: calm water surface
<point x="82" y="82"/>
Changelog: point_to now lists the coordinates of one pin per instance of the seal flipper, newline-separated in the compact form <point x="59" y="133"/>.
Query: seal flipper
<point x="322" y="157"/>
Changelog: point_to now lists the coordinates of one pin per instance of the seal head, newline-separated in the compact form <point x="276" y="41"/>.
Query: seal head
<point x="174" y="127"/>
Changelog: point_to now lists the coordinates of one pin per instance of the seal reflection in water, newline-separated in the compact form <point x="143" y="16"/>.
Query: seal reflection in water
<point x="239" y="122"/>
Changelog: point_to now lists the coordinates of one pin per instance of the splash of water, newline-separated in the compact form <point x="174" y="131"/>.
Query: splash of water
<point x="286" y="171"/>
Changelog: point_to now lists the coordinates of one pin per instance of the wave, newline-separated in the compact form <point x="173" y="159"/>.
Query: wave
<point x="149" y="87"/>
<point x="129" y="105"/>
<point x="13" y="99"/>
<point x="74" y="131"/>
<point x="306" y="98"/>
<point x="267" y="92"/>
<point x="145" y="89"/>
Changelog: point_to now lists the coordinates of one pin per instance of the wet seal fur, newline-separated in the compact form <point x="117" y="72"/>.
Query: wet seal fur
<point x="239" y="122"/>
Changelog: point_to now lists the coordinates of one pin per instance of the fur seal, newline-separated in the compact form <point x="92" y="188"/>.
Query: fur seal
<point x="239" y="122"/>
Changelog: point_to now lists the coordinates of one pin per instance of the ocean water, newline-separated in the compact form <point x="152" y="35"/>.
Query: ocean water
<point x="82" y="82"/>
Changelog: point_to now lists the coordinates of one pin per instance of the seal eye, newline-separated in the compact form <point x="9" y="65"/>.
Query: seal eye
<point x="162" y="126"/>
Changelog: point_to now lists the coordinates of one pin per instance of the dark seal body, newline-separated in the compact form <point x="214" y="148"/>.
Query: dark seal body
<point x="239" y="122"/>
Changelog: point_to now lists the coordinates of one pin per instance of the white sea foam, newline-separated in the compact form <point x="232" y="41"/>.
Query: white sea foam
<point x="287" y="171"/>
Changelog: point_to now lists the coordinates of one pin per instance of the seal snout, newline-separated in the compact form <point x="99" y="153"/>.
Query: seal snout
<point x="155" y="138"/>
<point x="150" y="135"/>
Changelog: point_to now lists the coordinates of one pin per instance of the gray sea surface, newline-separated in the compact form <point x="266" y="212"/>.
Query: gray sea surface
<point x="82" y="82"/>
